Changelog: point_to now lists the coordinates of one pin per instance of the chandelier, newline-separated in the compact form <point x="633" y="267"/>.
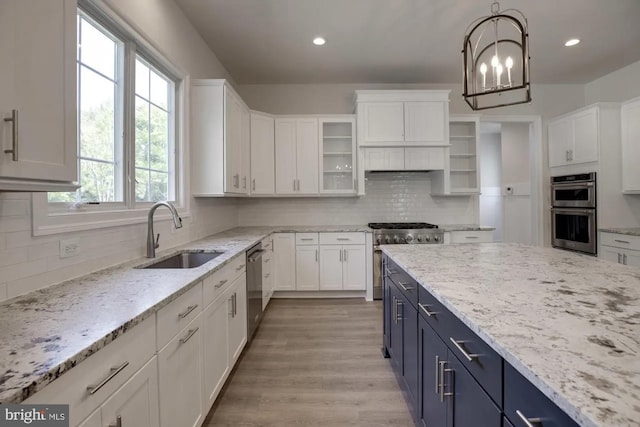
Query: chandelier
<point x="496" y="60"/>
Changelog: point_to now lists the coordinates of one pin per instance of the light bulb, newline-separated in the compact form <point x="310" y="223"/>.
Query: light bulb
<point x="495" y="61"/>
<point x="509" y="62"/>
<point x="483" y="70"/>
<point x="499" y="72"/>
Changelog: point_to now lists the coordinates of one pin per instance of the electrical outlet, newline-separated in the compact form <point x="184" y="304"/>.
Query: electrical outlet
<point x="69" y="248"/>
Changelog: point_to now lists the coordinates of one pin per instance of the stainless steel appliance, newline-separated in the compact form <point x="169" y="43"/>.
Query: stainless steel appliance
<point x="254" y="289"/>
<point x="573" y="212"/>
<point x="394" y="233"/>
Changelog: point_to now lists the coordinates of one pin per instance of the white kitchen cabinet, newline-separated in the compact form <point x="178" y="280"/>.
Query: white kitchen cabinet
<point x="215" y="346"/>
<point x="574" y="138"/>
<point x="620" y="248"/>
<point x="337" y="154"/>
<point x="296" y="142"/>
<point x="383" y="159"/>
<point x="402" y="118"/>
<point x="88" y="385"/>
<point x="630" y="121"/>
<point x="237" y="302"/>
<point x="38" y="94"/>
<point x="284" y="251"/>
<point x="342" y="261"/>
<point x="468" y="236"/>
<point x="180" y="382"/>
<point x="262" y="153"/>
<point x="268" y="261"/>
<point x="307" y="262"/>
<point x="220" y="139"/>
<point x="424" y="158"/>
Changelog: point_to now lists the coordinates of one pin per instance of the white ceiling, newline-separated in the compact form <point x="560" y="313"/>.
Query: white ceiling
<point x="406" y="41"/>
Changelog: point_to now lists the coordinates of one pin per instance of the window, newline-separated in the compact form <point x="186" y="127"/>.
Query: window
<point x="130" y="129"/>
<point x="118" y="166"/>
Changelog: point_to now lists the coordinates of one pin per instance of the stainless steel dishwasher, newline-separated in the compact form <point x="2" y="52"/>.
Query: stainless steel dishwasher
<point x="254" y="289"/>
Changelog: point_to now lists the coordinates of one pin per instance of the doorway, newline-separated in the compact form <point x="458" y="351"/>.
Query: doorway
<point x="510" y="160"/>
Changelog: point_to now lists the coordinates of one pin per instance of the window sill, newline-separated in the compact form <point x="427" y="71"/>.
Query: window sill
<point x="47" y="223"/>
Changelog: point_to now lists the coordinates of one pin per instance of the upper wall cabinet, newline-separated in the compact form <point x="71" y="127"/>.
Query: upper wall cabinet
<point x="402" y="118"/>
<point x="220" y="140"/>
<point x="38" y="149"/>
<point x="337" y="154"/>
<point x="262" y="154"/>
<point x="296" y="141"/>
<point x="630" y="119"/>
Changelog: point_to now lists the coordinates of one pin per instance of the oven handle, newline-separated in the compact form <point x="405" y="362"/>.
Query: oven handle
<point x="573" y="184"/>
<point x="574" y="210"/>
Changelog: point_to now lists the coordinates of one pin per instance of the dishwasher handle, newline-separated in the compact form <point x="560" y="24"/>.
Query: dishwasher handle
<point x="255" y="255"/>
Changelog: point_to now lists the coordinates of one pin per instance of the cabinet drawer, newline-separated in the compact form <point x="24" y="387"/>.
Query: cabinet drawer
<point x="175" y="316"/>
<point x="267" y="244"/>
<point x="620" y="241"/>
<point x="472" y="236"/>
<point x="485" y="364"/>
<point x="129" y="352"/>
<point x="214" y="285"/>
<point x="523" y="399"/>
<point x="405" y="283"/>
<point x="342" y="239"/>
<point x="306" y="238"/>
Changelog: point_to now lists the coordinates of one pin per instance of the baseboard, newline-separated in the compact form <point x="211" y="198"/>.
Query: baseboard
<point x="319" y="294"/>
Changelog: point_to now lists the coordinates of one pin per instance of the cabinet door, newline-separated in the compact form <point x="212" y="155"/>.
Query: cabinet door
<point x="470" y="402"/>
<point x="432" y="408"/>
<point x="135" y="404"/>
<point x="180" y="369"/>
<point x="585" y="137"/>
<point x="410" y="351"/>
<point x="337" y="155"/>
<point x="262" y="154"/>
<point x="215" y="349"/>
<point x="631" y="258"/>
<point x="560" y="137"/>
<point x="285" y="141"/>
<point x="38" y="80"/>
<point x="425" y="122"/>
<point x="383" y="122"/>
<point x="245" y="152"/>
<point x="93" y="420"/>
<point x="237" y="314"/>
<point x="354" y="268"/>
<point x="331" y="267"/>
<point x="284" y="250"/>
<point x="307" y="155"/>
<point x="307" y="268"/>
<point x="232" y="143"/>
<point x="610" y="254"/>
<point x="382" y="159"/>
<point x="630" y="148"/>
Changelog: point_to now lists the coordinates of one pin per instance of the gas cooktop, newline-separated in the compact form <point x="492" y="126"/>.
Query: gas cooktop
<point x="401" y="225"/>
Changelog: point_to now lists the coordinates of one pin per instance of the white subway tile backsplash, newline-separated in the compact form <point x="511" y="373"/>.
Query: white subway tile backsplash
<point x="22" y="270"/>
<point x="14" y="256"/>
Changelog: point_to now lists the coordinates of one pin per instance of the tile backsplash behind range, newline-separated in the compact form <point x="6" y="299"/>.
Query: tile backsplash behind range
<point x="390" y="196"/>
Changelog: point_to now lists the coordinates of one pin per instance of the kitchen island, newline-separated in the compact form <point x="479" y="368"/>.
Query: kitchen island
<point x="568" y="323"/>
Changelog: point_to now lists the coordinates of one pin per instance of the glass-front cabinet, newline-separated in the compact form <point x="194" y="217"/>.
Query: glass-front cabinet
<point x="337" y="154"/>
<point x="463" y="154"/>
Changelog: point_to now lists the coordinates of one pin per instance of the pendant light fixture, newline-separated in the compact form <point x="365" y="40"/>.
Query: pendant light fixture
<point x="496" y="60"/>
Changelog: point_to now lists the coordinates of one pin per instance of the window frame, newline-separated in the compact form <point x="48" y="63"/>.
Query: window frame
<point x="59" y="217"/>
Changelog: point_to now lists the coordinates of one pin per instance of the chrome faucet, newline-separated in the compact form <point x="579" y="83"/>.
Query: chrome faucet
<point x="152" y="244"/>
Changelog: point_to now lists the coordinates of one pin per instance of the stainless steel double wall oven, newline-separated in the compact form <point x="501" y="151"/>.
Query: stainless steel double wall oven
<point x="573" y="212"/>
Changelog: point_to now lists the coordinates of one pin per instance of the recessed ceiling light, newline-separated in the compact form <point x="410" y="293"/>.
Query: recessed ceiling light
<point x="572" y="42"/>
<point x="319" y="41"/>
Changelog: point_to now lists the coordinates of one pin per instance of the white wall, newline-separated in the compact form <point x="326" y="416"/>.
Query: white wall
<point x="28" y="263"/>
<point x="391" y="196"/>
<point x="516" y="174"/>
<point x="617" y="86"/>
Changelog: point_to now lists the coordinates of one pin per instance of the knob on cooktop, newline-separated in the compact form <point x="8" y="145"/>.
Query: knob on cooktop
<point x="387" y="239"/>
<point x="427" y="238"/>
<point x="397" y="239"/>
<point x="436" y="238"/>
<point x="408" y="238"/>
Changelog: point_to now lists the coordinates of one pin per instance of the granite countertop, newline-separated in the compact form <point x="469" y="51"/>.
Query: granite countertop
<point x="465" y="227"/>
<point x="569" y="323"/>
<point x="631" y="231"/>
<point x="47" y="332"/>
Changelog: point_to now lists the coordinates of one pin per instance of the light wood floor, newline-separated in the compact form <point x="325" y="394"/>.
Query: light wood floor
<point x="314" y="362"/>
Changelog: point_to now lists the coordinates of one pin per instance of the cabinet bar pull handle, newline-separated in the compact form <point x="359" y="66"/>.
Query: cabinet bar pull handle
<point x="345" y="255"/>
<point x="118" y="422"/>
<point x="240" y="267"/>
<point x="340" y="255"/>
<point x="452" y="384"/>
<point x="189" y="335"/>
<point x="441" y="383"/>
<point x="92" y="389"/>
<point x="619" y="258"/>
<point x="235" y="304"/>
<point x="266" y="276"/>
<point x="222" y="282"/>
<point x="187" y="311"/>
<point x="615" y="240"/>
<point x="437" y="382"/>
<point x="471" y="237"/>
<point x="624" y="259"/>
<point x="395" y="311"/>
<point x="266" y="260"/>
<point x="343" y="238"/>
<point x="405" y="287"/>
<point x="426" y="311"/>
<point x="389" y="271"/>
<point x="398" y="304"/>
<point x="14" y="135"/>
<point x="306" y="238"/>
<point x="253" y="184"/>
<point x="529" y="422"/>
<point x="316" y="255"/>
<point x="468" y="356"/>
<point x="244" y="182"/>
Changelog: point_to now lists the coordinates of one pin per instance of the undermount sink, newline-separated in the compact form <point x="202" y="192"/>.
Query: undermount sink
<point x="184" y="260"/>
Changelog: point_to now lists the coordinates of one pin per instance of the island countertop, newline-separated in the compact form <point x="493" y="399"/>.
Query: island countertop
<point x="569" y="323"/>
